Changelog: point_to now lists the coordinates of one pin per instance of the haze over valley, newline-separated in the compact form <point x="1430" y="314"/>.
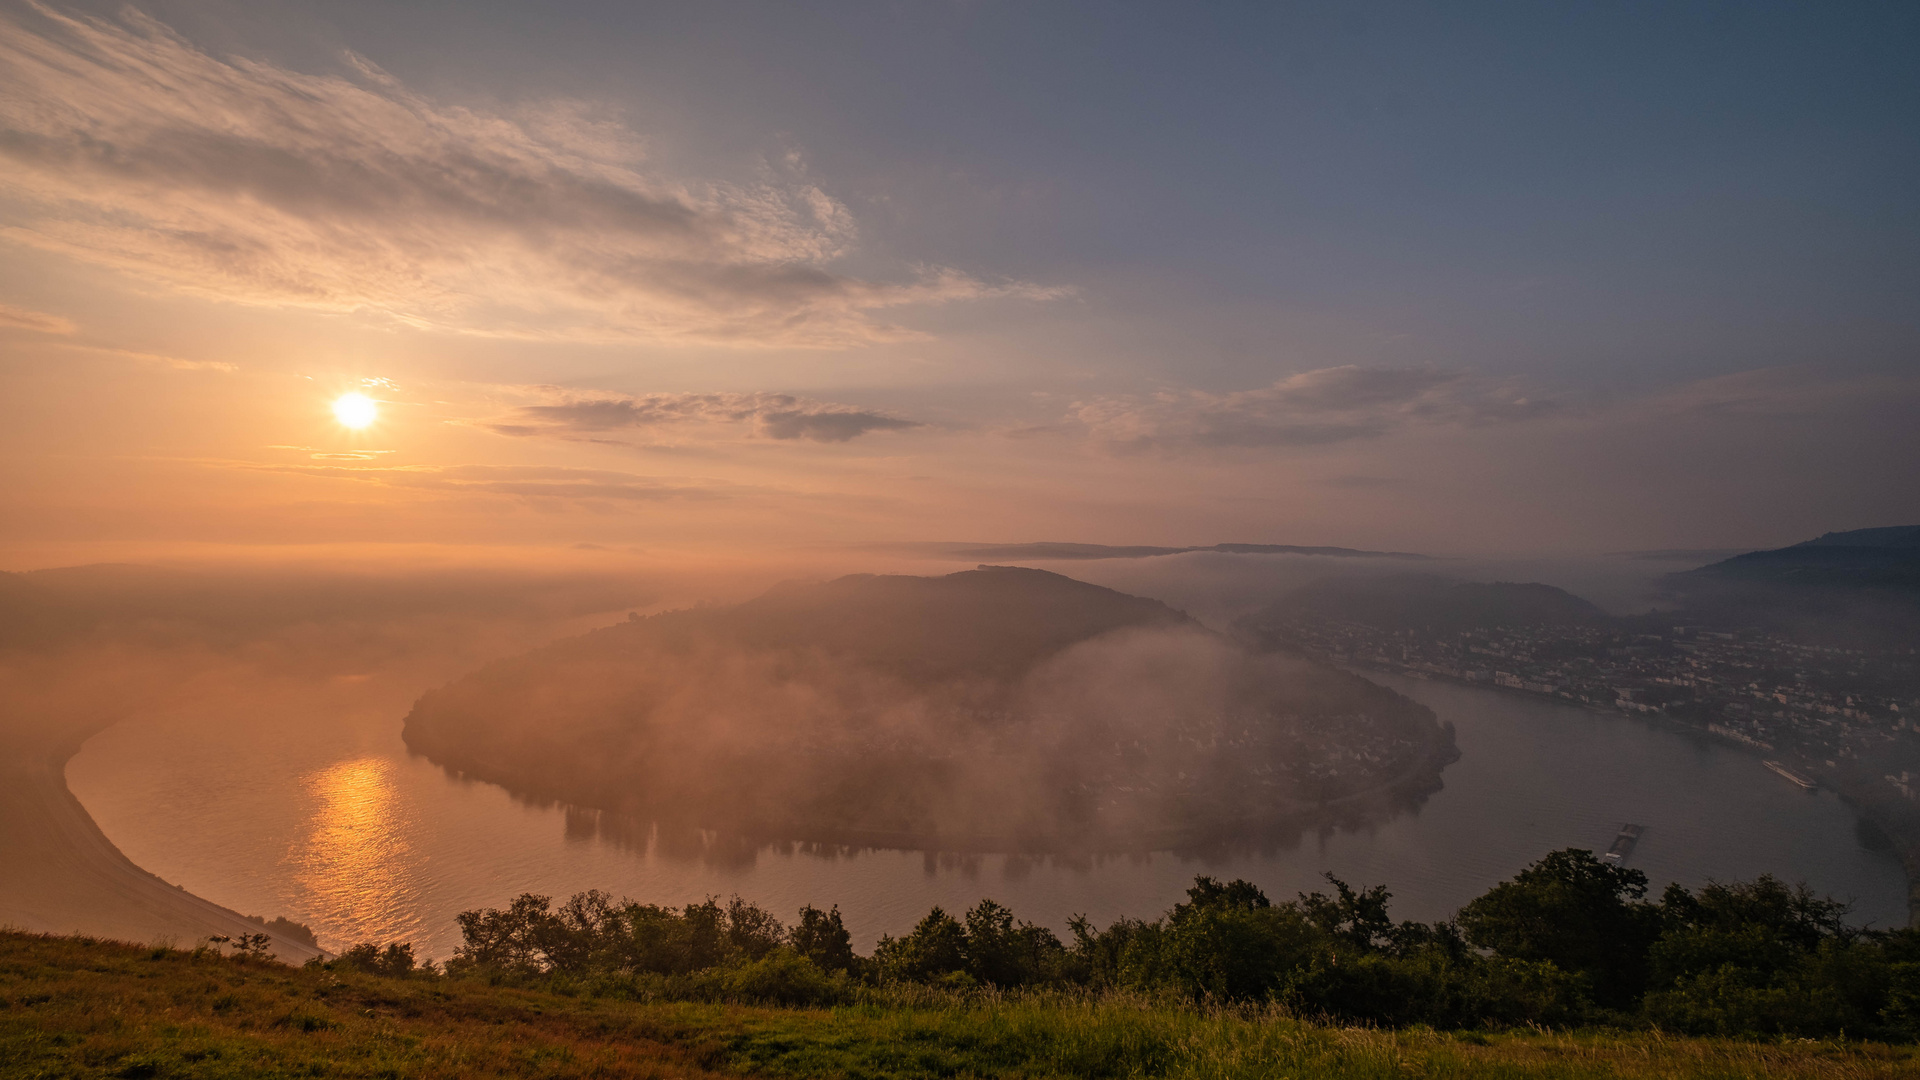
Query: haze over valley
<point x="964" y="539"/>
<point x="999" y="708"/>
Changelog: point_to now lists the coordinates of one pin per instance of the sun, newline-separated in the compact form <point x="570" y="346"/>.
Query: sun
<point x="355" y="410"/>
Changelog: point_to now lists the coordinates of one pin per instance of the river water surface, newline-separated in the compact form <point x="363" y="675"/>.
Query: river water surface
<point x="333" y="824"/>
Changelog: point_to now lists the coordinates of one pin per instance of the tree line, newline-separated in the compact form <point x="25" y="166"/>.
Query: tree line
<point x="1570" y="940"/>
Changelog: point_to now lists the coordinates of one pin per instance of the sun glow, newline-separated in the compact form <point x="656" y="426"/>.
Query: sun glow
<point x="355" y="410"/>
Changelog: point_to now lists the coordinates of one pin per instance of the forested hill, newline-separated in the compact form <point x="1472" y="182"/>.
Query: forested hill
<point x="1875" y="559"/>
<point x="996" y="621"/>
<point x="997" y="709"/>
<point x="1860" y="588"/>
<point x="993" y="621"/>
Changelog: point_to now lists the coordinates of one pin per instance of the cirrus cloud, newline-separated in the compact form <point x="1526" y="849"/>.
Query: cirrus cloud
<point x="519" y="481"/>
<point x="40" y="322"/>
<point x="248" y="182"/>
<point x="1328" y="405"/>
<point x="773" y="416"/>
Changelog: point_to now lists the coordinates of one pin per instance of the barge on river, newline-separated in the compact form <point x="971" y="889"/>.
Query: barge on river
<point x="1623" y="844"/>
<point x="1790" y="774"/>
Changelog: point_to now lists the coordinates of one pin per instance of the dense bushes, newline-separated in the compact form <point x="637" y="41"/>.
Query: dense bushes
<point x="394" y="961"/>
<point x="1571" y="939"/>
<point x="734" y="952"/>
<point x="1339" y="956"/>
<point x="1760" y="957"/>
<point x="990" y="947"/>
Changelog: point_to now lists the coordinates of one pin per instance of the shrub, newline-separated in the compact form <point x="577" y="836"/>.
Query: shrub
<point x="395" y="961"/>
<point x="780" y="977"/>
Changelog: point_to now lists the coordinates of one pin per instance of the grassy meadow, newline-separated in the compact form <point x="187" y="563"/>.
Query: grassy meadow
<point x="76" y="1007"/>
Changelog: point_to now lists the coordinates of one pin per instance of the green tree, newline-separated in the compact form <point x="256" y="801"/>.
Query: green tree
<point x="1763" y="926"/>
<point x="752" y="931"/>
<point x="1357" y="921"/>
<point x="1577" y="912"/>
<point x="505" y="939"/>
<point x="1761" y="957"/>
<point x="936" y="947"/>
<point x="1209" y="893"/>
<point x="1230" y="942"/>
<point x="706" y="934"/>
<point x="587" y="933"/>
<point x="659" y="939"/>
<point x="822" y="938"/>
<point x="1007" y="952"/>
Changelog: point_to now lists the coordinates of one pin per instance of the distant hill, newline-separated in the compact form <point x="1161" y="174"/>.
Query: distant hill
<point x="993" y="621"/>
<point x="1841" y="584"/>
<point x="1887" y="558"/>
<point x="1073" y="552"/>
<point x="998" y="709"/>
<point x="1892" y="536"/>
<point x="1422" y="601"/>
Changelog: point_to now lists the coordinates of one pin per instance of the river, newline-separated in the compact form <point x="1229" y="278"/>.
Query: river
<point x="333" y="824"/>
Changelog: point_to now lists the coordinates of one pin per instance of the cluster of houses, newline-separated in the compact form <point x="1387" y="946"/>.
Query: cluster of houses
<point x="1763" y="691"/>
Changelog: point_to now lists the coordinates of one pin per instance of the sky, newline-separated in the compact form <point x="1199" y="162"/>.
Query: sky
<point x="624" y="280"/>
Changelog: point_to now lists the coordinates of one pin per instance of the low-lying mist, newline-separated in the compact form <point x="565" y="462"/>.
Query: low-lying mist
<point x="83" y="647"/>
<point x="997" y="709"/>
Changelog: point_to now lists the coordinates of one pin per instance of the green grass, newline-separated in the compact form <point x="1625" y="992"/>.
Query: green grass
<point x="81" y="1008"/>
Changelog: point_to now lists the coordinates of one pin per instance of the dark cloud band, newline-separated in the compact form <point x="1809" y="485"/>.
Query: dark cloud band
<point x="773" y="416"/>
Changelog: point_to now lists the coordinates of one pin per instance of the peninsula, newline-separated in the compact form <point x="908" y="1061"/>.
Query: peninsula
<point x="993" y="709"/>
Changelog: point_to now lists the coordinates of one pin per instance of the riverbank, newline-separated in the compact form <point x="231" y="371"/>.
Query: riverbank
<point x="1857" y="786"/>
<point x="62" y="874"/>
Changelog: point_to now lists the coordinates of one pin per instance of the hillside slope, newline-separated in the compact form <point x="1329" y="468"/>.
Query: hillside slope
<point x="1877" y="559"/>
<point x="1856" y="587"/>
<point x="81" y="1008"/>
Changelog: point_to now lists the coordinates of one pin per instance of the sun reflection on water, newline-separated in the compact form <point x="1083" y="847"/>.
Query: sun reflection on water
<point x="353" y="858"/>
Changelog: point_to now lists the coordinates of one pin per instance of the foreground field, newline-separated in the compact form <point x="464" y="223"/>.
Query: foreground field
<point x="74" y="1007"/>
